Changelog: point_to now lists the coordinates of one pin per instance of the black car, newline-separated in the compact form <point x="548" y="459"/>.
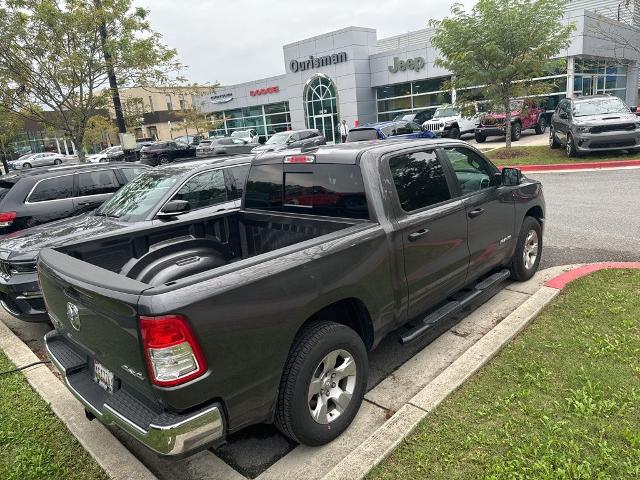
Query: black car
<point x="33" y="197"/>
<point x="161" y="153"/>
<point x="418" y="117"/>
<point x="158" y="196"/>
<point x="292" y="139"/>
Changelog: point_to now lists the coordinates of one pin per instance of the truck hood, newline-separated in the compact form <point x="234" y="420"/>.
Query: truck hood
<point x="25" y="244"/>
<point x="606" y="119"/>
<point x="435" y="121"/>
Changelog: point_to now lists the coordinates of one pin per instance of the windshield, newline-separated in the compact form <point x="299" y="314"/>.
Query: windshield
<point x="134" y="201"/>
<point x="599" y="106"/>
<point x="278" y="139"/>
<point x="445" y="112"/>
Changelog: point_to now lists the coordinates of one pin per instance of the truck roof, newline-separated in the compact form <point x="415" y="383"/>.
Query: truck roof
<point x="350" y="153"/>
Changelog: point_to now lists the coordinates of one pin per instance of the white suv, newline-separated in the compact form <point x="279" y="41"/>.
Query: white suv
<point x="447" y="121"/>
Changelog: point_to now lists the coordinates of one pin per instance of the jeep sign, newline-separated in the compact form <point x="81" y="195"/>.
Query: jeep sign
<point x="403" y="65"/>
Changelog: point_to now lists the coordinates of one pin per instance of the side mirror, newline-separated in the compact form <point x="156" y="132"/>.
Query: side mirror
<point x="174" y="208"/>
<point x="511" y="177"/>
<point x="563" y="115"/>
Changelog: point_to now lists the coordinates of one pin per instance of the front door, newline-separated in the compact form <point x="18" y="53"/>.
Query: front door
<point x="433" y="226"/>
<point x="324" y="123"/>
<point x="490" y="211"/>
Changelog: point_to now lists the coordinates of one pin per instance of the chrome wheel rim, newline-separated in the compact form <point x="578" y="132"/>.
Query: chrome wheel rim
<point x="530" y="250"/>
<point x="332" y="386"/>
<point x="551" y="139"/>
<point x="569" y="145"/>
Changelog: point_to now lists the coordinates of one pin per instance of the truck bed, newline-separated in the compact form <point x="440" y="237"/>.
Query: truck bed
<point x="174" y="251"/>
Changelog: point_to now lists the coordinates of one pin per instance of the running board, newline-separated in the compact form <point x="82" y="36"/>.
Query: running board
<point x="441" y="320"/>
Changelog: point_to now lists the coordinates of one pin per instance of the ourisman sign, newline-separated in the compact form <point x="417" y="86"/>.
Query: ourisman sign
<point x="317" y="62"/>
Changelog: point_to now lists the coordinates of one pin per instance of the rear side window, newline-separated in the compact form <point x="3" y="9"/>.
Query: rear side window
<point x="236" y="177"/>
<point x="52" y="189"/>
<point x="203" y="190"/>
<point x="97" y="183"/>
<point x="320" y="189"/>
<point x="419" y="179"/>
<point x="131" y="173"/>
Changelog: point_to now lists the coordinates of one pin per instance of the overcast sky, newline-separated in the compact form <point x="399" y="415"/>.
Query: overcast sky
<point x="239" y="41"/>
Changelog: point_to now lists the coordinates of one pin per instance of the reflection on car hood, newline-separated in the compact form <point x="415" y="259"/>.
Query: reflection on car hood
<point x="26" y="244"/>
<point x="604" y="119"/>
<point x="268" y="148"/>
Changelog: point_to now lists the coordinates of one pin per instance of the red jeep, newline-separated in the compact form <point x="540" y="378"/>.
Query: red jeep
<point x="524" y="115"/>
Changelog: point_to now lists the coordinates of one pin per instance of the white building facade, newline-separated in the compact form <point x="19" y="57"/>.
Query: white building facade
<point x="351" y="75"/>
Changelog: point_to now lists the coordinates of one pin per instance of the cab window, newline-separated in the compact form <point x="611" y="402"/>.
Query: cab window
<point x="97" y="183"/>
<point x="472" y="170"/>
<point x="203" y="190"/>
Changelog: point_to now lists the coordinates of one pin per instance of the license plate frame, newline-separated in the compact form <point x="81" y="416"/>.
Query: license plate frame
<point x="103" y="377"/>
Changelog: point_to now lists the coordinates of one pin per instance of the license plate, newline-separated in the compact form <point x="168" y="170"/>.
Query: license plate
<point x="103" y="376"/>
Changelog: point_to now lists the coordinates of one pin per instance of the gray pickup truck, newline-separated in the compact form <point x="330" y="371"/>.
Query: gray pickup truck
<point x="183" y="333"/>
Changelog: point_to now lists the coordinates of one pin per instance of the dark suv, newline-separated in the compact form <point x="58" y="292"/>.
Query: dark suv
<point x="33" y="197"/>
<point x="291" y="139"/>
<point x="592" y="124"/>
<point x="161" y="153"/>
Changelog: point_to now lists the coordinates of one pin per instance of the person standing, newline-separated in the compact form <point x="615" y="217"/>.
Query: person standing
<point x="344" y="131"/>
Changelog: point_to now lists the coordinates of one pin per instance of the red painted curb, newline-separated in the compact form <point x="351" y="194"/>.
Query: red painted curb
<point x="577" y="166"/>
<point x="563" y="279"/>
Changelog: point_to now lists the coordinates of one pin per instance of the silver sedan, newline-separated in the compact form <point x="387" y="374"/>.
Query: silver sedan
<point x="37" y="160"/>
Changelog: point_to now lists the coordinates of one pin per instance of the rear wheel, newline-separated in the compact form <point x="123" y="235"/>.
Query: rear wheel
<point x="526" y="258"/>
<point x="57" y="161"/>
<point x="553" y="141"/>
<point x="480" y="138"/>
<point x="26" y="165"/>
<point x="454" y="133"/>
<point x="516" y="132"/>
<point x="542" y="125"/>
<point x="323" y="383"/>
<point x="163" y="159"/>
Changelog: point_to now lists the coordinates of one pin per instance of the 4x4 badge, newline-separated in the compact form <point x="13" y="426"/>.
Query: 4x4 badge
<point x="73" y="315"/>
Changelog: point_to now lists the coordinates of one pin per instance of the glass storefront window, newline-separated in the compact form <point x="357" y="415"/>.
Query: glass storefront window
<point x="276" y="108"/>
<point x="394" y="104"/>
<point x="321" y="105"/>
<point x="407" y="97"/>
<point x="264" y="119"/>
<point x="398" y="90"/>
<point x="431" y="100"/>
<point x="430" y="85"/>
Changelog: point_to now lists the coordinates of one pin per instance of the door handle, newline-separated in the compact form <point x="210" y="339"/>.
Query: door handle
<point x="476" y="212"/>
<point x="416" y="235"/>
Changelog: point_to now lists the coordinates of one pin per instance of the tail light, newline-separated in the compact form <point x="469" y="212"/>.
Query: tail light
<point x="7" y="218"/>
<point x="172" y="352"/>
<point x="299" y="159"/>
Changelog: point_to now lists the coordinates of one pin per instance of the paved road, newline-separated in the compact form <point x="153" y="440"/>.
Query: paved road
<point x="591" y="216"/>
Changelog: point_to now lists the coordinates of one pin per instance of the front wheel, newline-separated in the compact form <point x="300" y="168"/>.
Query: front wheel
<point x="163" y="159"/>
<point x="571" y="150"/>
<point x="541" y="127"/>
<point x="526" y="258"/>
<point x="57" y="161"/>
<point x="323" y="383"/>
<point x="480" y="138"/>
<point x="516" y="132"/>
<point x="454" y="133"/>
<point x="26" y="165"/>
<point x="553" y="141"/>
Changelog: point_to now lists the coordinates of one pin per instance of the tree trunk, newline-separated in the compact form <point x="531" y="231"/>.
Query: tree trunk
<point x="4" y="158"/>
<point x="507" y="121"/>
<point x="78" y="139"/>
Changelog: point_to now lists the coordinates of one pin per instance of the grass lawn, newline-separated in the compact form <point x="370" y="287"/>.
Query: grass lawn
<point x="562" y="401"/>
<point x="34" y="443"/>
<point x="543" y="155"/>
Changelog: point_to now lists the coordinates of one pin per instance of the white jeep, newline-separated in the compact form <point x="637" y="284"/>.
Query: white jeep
<point x="448" y="121"/>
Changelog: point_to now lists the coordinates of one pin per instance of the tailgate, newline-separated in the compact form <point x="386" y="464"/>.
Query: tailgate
<point x="97" y="310"/>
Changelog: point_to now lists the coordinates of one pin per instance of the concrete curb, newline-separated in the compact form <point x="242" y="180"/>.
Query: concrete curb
<point x="566" y="167"/>
<point x="389" y="436"/>
<point x="108" y="452"/>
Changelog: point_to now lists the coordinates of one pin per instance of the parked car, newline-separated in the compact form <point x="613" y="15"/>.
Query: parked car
<point x="292" y="139"/>
<point x="34" y="197"/>
<point x="249" y="135"/>
<point x="385" y="130"/>
<point x="418" y="117"/>
<point x="524" y="116"/>
<point x="448" y="121"/>
<point x="195" y="329"/>
<point x="107" y="155"/>
<point x="594" y="124"/>
<point x="161" y="153"/>
<point x="196" y="189"/>
<point x="37" y="160"/>
<point x="232" y="146"/>
<point x="205" y="147"/>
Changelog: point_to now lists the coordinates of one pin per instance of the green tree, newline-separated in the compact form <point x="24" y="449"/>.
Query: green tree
<point x="52" y="58"/>
<point x="99" y="130"/>
<point x="10" y="126"/>
<point x="499" y="45"/>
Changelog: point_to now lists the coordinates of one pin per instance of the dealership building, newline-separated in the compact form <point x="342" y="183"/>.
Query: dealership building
<point x="351" y="74"/>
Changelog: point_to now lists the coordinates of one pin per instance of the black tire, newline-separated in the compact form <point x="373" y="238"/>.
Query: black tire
<point x="26" y="165"/>
<point x="312" y="344"/>
<point x="480" y="138"/>
<point x="541" y="127"/>
<point x="104" y="160"/>
<point x="570" y="148"/>
<point x="516" y="132"/>
<point x="57" y="161"/>
<point x="163" y="160"/>
<point x="454" y="133"/>
<point x="553" y="141"/>
<point x="520" y="270"/>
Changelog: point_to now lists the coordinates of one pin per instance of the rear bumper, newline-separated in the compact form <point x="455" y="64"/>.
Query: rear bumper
<point x="596" y="142"/>
<point x="20" y="296"/>
<point x="164" y="432"/>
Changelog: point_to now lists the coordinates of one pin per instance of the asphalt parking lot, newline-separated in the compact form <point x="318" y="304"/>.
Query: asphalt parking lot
<point x="591" y="216"/>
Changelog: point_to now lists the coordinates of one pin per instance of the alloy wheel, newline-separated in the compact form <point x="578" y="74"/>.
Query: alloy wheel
<point x="332" y="386"/>
<point x="530" y="250"/>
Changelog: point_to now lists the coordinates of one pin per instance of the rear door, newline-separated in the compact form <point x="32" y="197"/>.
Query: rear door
<point x="94" y="188"/>
<point x="433" y="225"/>
<point x="489" y="207"/>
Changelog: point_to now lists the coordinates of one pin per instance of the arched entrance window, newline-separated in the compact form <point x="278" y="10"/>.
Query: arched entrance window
<point x="321" y="105"/>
